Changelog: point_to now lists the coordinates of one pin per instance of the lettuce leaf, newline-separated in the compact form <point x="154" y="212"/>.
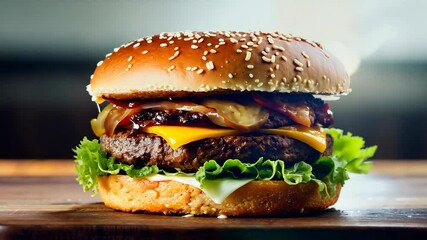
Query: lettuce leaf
<point x="349" y="155"/>
<point x="92" y="161"/>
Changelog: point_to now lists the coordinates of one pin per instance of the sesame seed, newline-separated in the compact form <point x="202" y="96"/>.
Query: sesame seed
<point x="230" y="75"/>
<point x="145" y="52"/>
<point x="163" y="44"/>
<point x="233" y="40"/>
<point x="250" y="43"/>
<point x="136" y="45"/>
<point x="171" y="42"/>
<point x="298" y="77"/>
<point x="149" y="41"/>
<point x="305" y="55"/>
<point x="251" y="75"/>
<point x="194" y="46"/>
<point x="277" y="53"/>
<point x="204" y="58"/>
<point x="188" y="68"/>
<point x="213" y="51"/>
<point x="308" y="63"/>
<point x="284" y="58"/>
<point x="239" y="50"/>
<point x="272" y="75"/>
<point x="116" y="49"/>
<point x="284" y="79"/>
<point x="210" y="65"/>
<point x="270" y="40"/>
<point x="242" y="39"/>
<point x="244" y="46"/>
<point x="259" y="41"/>
<point x="273" y="58"/>
<point x="223" y="81"/>
<point x="171" y="68"/>
<point x="250" y="66"/>
<point x="248" y="56"/>
<point x="264" y="53"/>
<point x="271" y="69"/>
<point x="209" y="44"/>
<point x="176" y="48"/>
<point x="194" y="69"/>
<point x="194" y="41"/>
<point x="200" y="71"/>
<point x="278" y="48"/>
<point x="201" y="40"/>
<point x="91" y="76"/>
<point x="221" y="43"/>
<point x="256" y="80"/>
<point x="266" y="59"/>
<point x="99" y="63"/>
<point x="130" y="58"/>
<point x="108" y="54"/>
<point x="298" y="63"/>
<point x="267" y="49"/>
<point x="217" y="46"/>
<point x="260" y="84"/>
<point x="174" y="55"/>
<point x="299" y="69"/>
<point x="277" y="66"/>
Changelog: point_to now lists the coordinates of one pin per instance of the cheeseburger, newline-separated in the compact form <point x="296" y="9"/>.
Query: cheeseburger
<point x="219" y="123"/>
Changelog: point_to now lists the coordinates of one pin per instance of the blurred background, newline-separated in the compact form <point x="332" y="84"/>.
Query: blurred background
<point x="48" y="50"/>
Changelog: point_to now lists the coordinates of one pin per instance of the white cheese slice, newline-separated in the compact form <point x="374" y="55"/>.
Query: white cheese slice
<point x="218" y="190"/>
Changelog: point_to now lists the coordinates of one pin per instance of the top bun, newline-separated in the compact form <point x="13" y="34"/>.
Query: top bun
<point x="205" y="63"/>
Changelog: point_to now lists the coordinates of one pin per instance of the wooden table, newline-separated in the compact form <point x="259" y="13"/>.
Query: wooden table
<point x="41" y="200"/>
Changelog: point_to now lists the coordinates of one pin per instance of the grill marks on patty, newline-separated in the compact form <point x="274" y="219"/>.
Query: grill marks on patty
<point x="149" y="149"/>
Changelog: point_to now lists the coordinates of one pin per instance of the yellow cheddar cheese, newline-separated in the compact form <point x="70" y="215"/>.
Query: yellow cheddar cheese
<point x="314" y="137"/>
<point x="177" y="136"/>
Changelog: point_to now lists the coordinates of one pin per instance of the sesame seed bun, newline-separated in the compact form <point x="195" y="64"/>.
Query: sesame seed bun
<point x="207" y="63"/>
<point x="257" y="198"/>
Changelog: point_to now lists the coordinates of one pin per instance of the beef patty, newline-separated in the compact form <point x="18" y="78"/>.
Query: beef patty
<point x="149" y="149"/>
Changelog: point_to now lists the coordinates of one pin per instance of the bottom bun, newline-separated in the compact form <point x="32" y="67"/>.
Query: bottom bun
<point x="257" y="198"/>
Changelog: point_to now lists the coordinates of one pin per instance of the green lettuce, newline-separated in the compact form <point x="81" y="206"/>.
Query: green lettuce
<point x="92" y="161"/>
<point x="349" y="155"/>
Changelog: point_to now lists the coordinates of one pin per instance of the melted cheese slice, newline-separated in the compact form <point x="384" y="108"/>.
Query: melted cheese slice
<point x="177" y="136"/>
<point x="314" y="137"/>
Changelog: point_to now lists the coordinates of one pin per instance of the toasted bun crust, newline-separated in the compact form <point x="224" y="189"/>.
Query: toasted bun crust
<point x="257" y="198"/>
<point x="206" y="63"/>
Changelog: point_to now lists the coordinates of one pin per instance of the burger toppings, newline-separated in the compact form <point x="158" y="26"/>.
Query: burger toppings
<point x="248" y="115"/>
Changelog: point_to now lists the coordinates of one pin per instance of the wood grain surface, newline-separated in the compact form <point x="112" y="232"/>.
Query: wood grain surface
<point x="45" y="202"/>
